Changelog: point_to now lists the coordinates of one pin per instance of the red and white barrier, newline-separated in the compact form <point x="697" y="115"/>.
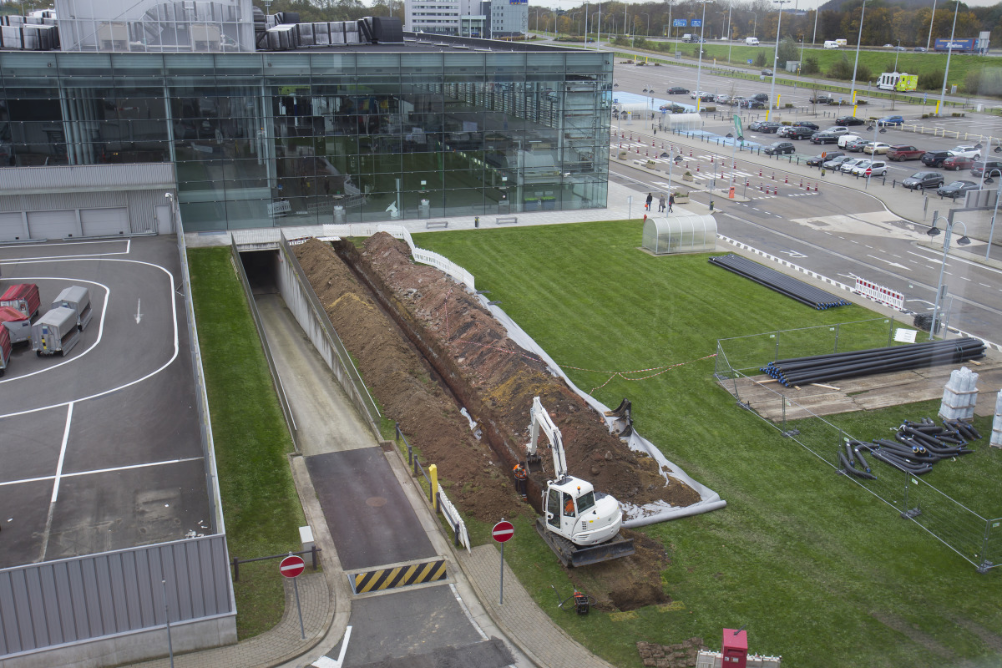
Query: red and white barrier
<point x="880" y="293"/>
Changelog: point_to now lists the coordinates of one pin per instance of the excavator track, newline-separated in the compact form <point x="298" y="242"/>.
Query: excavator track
<point x="574" y="556"/>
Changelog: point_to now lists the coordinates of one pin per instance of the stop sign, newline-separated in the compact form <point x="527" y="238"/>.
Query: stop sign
<point x="503" y="531"/>
<point x="292" y="566"/>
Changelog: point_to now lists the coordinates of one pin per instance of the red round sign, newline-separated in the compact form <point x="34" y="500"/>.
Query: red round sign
<point x="503" y="531"/>
<point x="868" y="171"/>
<point x="292" y="566"/>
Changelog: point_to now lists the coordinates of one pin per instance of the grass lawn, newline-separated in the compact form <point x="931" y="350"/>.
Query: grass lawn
<point x="260" y="505"/>
<point x="818" y="569"/>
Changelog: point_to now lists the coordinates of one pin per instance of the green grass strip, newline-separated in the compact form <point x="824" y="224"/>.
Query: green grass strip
<point x="260" y="504"/>
<point x="822" y="572"/>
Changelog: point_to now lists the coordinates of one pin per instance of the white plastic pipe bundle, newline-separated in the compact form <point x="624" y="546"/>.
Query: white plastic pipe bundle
<point x="996" y="441"/>
<point x="960" y="395"/>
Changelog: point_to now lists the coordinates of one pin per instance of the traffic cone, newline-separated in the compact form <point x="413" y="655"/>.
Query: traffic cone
<point x="652" y="144"/>
<point x="760" y="172"/>
<point x="638" y="150"/>
<point x="808" y="187"/>
<point x="711" y="159"/>
<point x="697" y="168"/>
<point x="801" y="183"/>
<point x="647" y="153"/>
<point x="690" y="152"/>
<point x="746" y="183"/>
<point x="787" y="179"/>
<point x="760" y="188"/>
<point x="774" y="176"/>
<point x="815" y="187"/>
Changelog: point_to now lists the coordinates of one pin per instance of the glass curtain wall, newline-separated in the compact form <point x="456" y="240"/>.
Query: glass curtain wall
<point x="265" y="139"/>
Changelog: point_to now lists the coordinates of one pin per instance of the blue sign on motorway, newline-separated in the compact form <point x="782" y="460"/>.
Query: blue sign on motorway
<point x="697" y="23"/>
<point x="678" y="23"/>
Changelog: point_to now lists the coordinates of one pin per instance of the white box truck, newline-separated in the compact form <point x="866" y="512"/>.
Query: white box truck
<point x="55" y="332"/>
<point x="77" y="298"/>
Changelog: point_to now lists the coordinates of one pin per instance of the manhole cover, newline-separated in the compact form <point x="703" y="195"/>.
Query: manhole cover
<point x="375" y="501"/>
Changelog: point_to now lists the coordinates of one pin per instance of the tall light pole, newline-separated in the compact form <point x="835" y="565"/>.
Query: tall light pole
<point x="648" y="22"/>
<point x="949" y="52"/>
<point x="699" y="67"/>
<point x="586" y="23"/>
<point x="962" y="241"/>
<point x="896" y="52"/>
<point x="852" y="93"/>
<point x="775" y="58"/>
<point x="730" y="6"/>
<point x="932" y="19"/>
<point x="814" y="38"/>
<point x="998" y="191"/>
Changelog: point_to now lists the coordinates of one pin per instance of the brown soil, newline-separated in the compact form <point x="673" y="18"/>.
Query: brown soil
<point x="627" y="583"/>
<point x="507" y="378"/>
<point x="404" y="385"/>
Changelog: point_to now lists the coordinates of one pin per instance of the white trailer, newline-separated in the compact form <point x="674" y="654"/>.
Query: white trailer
<point x="77" y="298"/>
<point x="55" y="332"/>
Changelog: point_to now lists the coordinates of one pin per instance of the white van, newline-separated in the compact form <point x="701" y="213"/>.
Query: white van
<point x="687" y="37"/>
<point x="846" y="138"/>
<point x="751" y="41"/>
<point x="831" y="44"/>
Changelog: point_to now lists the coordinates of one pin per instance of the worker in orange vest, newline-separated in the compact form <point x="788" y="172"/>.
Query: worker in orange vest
<point x="521" y="475"/>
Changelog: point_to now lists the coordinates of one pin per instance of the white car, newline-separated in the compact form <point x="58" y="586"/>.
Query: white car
<point x="846" y="138"/>
<point x="967" y="151"/>
<point x="876" y="167"/>
<point x="837" y="130"/>
<point x="847" y="165"/>
<point x="876" y="148"/>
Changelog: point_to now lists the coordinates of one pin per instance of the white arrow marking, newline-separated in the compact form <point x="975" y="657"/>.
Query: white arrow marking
<point x="893" y="264"/>
<point x="327" y="662"/>
<point x="139" y="316"/>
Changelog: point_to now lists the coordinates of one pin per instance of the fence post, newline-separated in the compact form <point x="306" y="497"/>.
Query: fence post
<point x="837" y="325"/>
<point x="890" y="332"/>
<point x="236" y="569"/>
<point x="776" y="358"/>
<point x="313" y="555"/>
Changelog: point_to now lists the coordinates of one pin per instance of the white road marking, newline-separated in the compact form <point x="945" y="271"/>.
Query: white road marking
<point x="327" y="662"/>
<point x="139" y="315"/>
<point x="55" y="484"/>
<point x="893" y="264"/>
<point x="964" y="278"/>
<point x="984" y="285"/>
<point x="114" y="469"/>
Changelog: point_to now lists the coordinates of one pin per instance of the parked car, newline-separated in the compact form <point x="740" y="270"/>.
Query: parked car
<point x="955" y="163"/>
<point x="836" y="162"/>
<point x="820" y="158"/>
<point x="780" y="148"/>
<point x="697" y="93"/>
<point x="844" y="140"/>
<point x="923" y="180"/>
<point x="972" y="152"/>
<point x="891" y="120"/>
<point x="902" y="152"/>
<point x="988" y="168"/>
<point x="824" y="138"/>
<point x="765" y="126"/>
<point x="678" y="90"/>
<point x="956" y="189"/>
<point x="754" y="104"/>
<point x="723" y="99"/>
<point x="838" y="130"/>
<point x="876" y="167"/>
<point x="935" y="158"/>
<point x="822" y="98"/>
<point x="847" y="165"/>
<point x="855" y="145"/>
<point x="799" y="132"/>
<point x="738" y="101"/>
<point x="876" y="147"/>
<point x="761" y="97"/>
<point x="849" y="120"/>
<point x="806" y="124"/>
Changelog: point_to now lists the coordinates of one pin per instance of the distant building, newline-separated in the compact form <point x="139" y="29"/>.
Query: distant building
<point x="506" y="18"/>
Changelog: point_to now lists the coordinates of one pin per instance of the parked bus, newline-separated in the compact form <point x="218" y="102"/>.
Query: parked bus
<point x="898" y="81"/>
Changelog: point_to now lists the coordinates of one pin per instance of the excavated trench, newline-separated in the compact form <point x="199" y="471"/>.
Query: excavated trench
<point x="427" y="347"/>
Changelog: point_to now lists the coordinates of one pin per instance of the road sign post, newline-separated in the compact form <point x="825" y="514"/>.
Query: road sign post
<point x="502" y="533"/>
<point x="292" y="567"/>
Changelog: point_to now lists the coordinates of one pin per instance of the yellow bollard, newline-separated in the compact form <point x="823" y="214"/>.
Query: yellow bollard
<point x="433" y="473"/>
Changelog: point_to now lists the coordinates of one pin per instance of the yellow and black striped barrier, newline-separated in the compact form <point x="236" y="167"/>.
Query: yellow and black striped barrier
<point x="392" y="577"/>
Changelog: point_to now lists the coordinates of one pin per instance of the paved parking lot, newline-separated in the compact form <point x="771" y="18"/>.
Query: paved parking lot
<point x="101" y="448"/>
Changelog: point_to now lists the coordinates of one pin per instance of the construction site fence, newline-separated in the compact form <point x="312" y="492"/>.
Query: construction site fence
<point x="276" y="379"/>
<point x="201" y="395"/>
<point x="975" y="538"/>
<point x="460" y="536"/>
<point x="302" y="301"/>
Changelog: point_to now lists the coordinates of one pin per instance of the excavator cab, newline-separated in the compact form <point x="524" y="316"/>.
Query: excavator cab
<point x="576" y="512"/>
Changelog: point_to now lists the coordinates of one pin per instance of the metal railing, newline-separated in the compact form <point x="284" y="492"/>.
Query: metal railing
<point x="975" y="538"/>
<point x="313" y="552"/>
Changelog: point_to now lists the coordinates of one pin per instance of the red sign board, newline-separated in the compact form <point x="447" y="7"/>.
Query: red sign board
<point x="868" y="171"/>
<point x="503" y="531"/>
<point x="292" y="566"/>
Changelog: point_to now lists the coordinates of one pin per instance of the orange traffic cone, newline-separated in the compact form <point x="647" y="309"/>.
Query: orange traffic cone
<point x="815" y="187"/>
<point x="787" y="179"/>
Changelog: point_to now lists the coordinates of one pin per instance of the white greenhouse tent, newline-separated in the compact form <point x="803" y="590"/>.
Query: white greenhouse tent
<point x="680" y="234"/>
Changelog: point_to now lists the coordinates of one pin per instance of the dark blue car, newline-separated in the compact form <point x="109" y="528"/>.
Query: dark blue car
<point x="891" y="120"/>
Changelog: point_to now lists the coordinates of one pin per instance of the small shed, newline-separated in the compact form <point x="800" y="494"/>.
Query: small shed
<point x="687" y="233"/>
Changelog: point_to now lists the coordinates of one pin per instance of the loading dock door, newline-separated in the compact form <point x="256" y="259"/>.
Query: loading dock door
<point x="12" y="227"/>
<point x="104" y="222"/>
<point x="52" y="224"/>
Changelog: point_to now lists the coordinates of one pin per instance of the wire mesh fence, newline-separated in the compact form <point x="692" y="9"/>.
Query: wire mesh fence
<point x="975" y="538"/>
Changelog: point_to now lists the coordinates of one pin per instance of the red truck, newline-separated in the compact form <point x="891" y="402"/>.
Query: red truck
<point x="17" y="324"/>
<point x="903" y="152"/>
<point x="23" y="297"/>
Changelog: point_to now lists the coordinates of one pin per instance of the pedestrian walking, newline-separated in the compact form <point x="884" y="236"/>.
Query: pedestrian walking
<point x="671" y="202"/>
<point x="662" y="203"/>
<point x="650" y="198"/>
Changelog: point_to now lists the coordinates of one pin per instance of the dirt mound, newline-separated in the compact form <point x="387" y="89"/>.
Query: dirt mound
<point x="506" y="378"/>
<point x="407" y="388"/>
<point x="627" y="583"/>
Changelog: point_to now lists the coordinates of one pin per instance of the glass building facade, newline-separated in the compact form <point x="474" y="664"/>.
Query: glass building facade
<point x="307" y="137"/>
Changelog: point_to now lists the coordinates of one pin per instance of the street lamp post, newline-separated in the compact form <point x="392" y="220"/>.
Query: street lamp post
<point x="730" y="6"/>
<point x="775" y="58"/>
<point x="896" y="52"/>
<point x="699" y="67"/>
<point x="949" y="52"/>
<point x="991" y="229"/>
<point x="852" y="93"/>
<point x="648" y="22"/>
<point x="962" y="241"/>
<point x="932" y="20"/>
<point x="814" y="37"/>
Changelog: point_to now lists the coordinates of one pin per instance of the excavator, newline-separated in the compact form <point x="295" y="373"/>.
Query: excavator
<point x="580" y="525"/>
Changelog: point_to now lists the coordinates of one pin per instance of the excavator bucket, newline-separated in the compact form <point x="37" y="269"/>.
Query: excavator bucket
<point x="623" y="425"/>
<point x="573" y="556"/>
<point x="620" y="410"/>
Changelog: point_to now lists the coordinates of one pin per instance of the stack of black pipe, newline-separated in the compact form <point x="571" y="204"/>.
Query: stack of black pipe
<point x="781" y="283"/>
<point x="853" y="462"/>
<point x="822" y="368"/>
<point x="919" y="445"/>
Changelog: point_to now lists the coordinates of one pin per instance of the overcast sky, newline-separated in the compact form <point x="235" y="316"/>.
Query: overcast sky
<point x="801" y="4"/>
